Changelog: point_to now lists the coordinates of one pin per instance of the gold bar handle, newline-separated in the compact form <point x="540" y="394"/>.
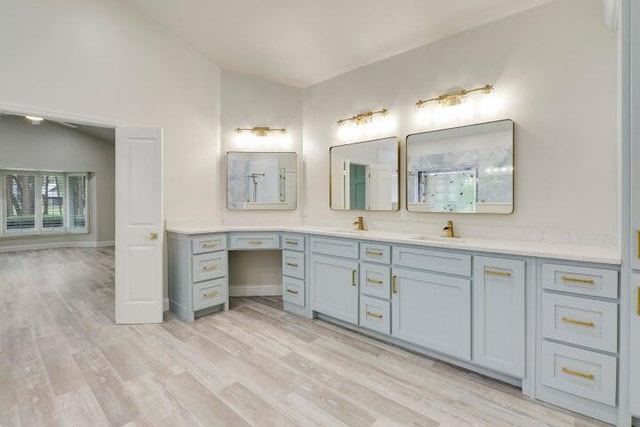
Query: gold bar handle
<point x="497" y="273"/>
<point x="374" y="281"/>
<point x="577" y="373"/>
<point x="290" y="264"/>
<point x="210" y="294"/>
<point x="209" y="267"/>
<point x="292" y="292"/>
<point x="210" y="245"/>
<point x="255" y="242"/>
<point x="374" y="315"/>
<point x="576" y="280"/>
<point x="372" y="252"/>
<point x="394" y="282"/>
<point x="578" y="322"/>
<point x="291" y="242"/>
<point x="353" y="277"/>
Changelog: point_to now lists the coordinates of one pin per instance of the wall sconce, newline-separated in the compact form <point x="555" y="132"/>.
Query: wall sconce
<point x="261" y="130"/>
<point x="450" y="99"/>
<point x="362" y="118"/>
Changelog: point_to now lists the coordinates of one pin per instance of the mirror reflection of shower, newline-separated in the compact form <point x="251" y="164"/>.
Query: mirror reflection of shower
<point x="254" y="177"/>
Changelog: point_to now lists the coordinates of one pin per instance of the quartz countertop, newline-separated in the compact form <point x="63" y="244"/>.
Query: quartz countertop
<point x="595" y="254"/>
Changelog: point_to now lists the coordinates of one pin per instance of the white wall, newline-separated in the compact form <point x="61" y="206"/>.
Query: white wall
<point x="555" y="69"/>
<point x="51" y="147"/>
<point x="101" y="59"/>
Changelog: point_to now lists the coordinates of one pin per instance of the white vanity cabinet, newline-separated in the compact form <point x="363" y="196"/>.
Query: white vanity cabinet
<point x="499" y="314"/>
<point x="334" y="279"/>
<point x="432" y="308"/>
<point x="197" y="267"/>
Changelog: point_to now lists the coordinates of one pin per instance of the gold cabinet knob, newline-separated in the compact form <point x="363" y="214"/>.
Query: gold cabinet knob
<point x="153" y="236"/>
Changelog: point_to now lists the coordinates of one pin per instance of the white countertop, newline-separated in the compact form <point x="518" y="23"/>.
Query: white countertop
<point x="596" y="254"/>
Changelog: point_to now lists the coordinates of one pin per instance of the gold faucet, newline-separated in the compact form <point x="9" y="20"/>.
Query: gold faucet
<point x="447" y="231"/>
<point x="359" y="223"/>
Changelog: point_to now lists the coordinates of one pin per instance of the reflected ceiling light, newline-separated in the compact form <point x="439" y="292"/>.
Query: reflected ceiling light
<point x="363" y="118"/>
<point x="34" y="119"/>
<point x="455" y="97"/>
<point x="261" y="130"/>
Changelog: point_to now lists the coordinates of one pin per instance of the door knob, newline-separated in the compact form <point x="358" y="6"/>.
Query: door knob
<point x="153" y="236"/>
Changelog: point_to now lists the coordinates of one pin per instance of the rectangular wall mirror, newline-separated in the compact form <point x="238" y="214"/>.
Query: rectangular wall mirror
<point x="466" y="169"/>
<point x="261" y="180"/>
<point x="364" y="175"/>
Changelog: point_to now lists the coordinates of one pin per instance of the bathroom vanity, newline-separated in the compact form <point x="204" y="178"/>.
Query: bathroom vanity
<point x="539" y="316"/>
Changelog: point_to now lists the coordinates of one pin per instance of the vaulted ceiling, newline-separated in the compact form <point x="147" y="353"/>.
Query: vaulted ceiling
<point x="301" y="42"/>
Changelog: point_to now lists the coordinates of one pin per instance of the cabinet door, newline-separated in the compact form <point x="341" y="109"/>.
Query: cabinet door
<point x="334" y="287"/>
<point x="433" y="311"/>
<point x="498" y="314"/>
<point x="634" y="392"/>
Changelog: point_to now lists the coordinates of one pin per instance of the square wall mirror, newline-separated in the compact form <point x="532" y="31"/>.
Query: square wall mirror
<point x="467" y="169"/>
<point x="260" y="180"/>
<point x="364" y="176"/>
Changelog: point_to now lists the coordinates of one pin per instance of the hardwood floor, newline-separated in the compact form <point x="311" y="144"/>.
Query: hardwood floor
<point x="64" y="362"/>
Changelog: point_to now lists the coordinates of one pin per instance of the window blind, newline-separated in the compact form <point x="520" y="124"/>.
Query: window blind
<point x="20" y="211"/>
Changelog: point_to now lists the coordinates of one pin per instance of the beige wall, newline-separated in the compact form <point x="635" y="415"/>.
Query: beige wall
<point x="555" y="68"/>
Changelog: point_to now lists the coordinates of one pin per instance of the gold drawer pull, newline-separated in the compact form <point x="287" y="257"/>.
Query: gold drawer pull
<point x="372" y="252"/>
<point x="578" y="322"/>
<point x="291" y="242"/>
<point x="209" y="267"/>
<point x="210" y="245"/>
<point x="354" y="273"/>
<point x="374" y="281"/>
<point x="210" y="294"/>
<point x="374" y="315"/>
<point x="576" y="280"/>
<point x="290" y="264"/>
<point x="292" y="292"/>
<point x="497" y="273"/>
<point x="577" y="373"/>
<point x="394" y="286"/>
<point x="255" y="242"/>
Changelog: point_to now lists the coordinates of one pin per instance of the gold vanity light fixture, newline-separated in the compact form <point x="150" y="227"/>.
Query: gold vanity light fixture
<point x="456" y="97"/>
<point x="260" y="130"/>
<point x="363" y="118"/>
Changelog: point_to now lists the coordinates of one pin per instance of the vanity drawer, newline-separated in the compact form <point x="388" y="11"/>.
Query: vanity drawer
<point x="579" y="372"/>
<point x="580" y="280"/>
<point x="238" y="241"/>
<point x="375" y="314"/>
<point x="293" y="263"/>
<point x="208" y="243"/>
<point x="293" y="291"/>
<point x="335" y="247"/>
<point x="294" y="242"/>
<point x="375" y="253"/>
<point x="580" y="321"/>
<point x="210" y="293"/>
<point x="209" y="266"/>
<point x="438" y="261"/>
<point x="375" y="280"/>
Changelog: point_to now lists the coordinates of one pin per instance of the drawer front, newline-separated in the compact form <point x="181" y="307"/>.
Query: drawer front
<point x="438" y="261"/>
<point x="293" y="263"/>
<point x="209" y="293"/>
<point x="375" y="314"/>
<point x="293" y="291"/>
<point x="375" y="280"/>
<point x="239" y="241"/>
<point x="294" y="242"/>
<point x="581" y="321"/>
<point x="209" y="266"/>
<point x="335" y="247"/>
<point x="580" y="280"/>
<point x="579" y="372"/>
<point x="208" y="243"/>
<point x="375" y="253"/>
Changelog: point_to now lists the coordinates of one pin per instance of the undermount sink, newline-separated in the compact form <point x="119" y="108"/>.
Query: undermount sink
<point x="432" y="238"/>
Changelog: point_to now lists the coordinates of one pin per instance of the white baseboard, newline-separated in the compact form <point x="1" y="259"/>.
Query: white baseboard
<point x="55" y="245"/>
<point x="255" y="290"/>
<point x="165" y="304"/>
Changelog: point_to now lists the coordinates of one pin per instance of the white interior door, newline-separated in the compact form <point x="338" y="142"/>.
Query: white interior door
<point x="379" y="187"/>
<point x="139" y="236"/>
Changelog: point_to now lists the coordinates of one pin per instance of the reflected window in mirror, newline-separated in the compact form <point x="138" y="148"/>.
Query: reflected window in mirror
<point x="260" y="180"/>
<point x="364" y="176"/>
<point x="467" y="169"/>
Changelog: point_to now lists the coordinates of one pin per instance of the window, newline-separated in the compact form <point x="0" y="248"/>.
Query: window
<point x="43" y="202"/>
